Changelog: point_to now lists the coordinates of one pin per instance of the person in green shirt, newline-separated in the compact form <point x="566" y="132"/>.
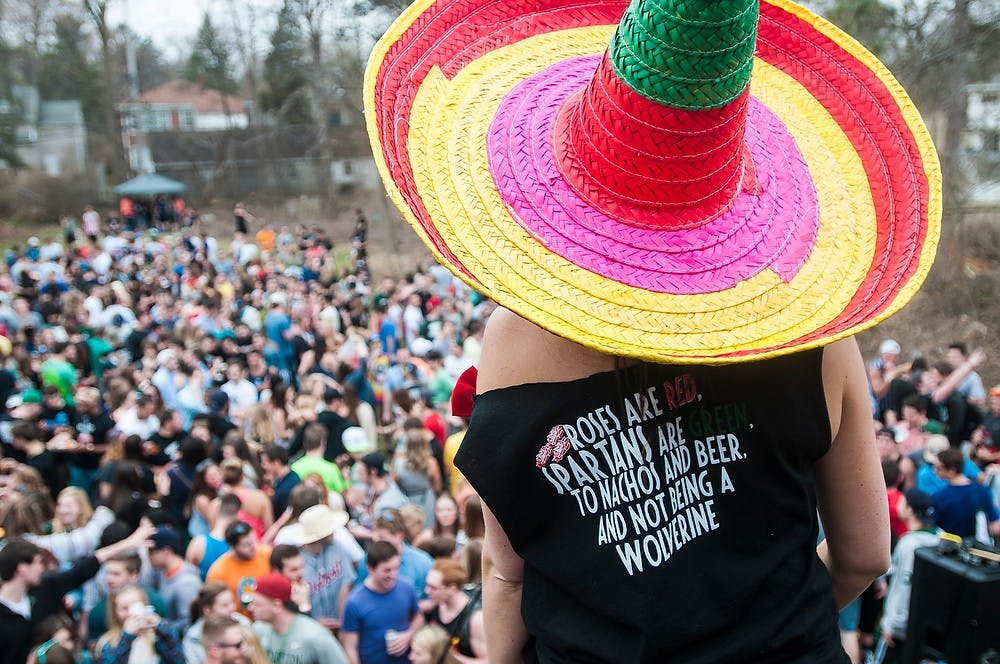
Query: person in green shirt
<point x="56" y="371"/>
<point x="442" y="382"/>
<point x="314" y="444"/>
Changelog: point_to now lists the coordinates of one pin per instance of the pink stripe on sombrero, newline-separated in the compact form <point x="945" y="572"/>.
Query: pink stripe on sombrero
<point x="776" y="228"/>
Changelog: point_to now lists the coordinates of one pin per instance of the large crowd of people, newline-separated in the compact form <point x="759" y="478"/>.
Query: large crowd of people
<point x="229" y="451"/>
<point x="242" y="453"/>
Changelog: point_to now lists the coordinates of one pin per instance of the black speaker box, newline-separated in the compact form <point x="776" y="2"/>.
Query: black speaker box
<point x="954" y="610"/>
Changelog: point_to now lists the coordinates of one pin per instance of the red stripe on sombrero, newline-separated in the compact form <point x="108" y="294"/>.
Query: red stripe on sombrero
<point x="433" y="40"/>
<point x="896" y="260"/>
<point x="891" y="160"/>
<point x="647" y="164"/>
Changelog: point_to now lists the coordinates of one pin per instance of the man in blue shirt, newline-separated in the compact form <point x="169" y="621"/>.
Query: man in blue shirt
<point x="414" y="564"/>
<point x="956" y="505"/>
<point x="278" y="328"/>
<point x="381" y="614"/>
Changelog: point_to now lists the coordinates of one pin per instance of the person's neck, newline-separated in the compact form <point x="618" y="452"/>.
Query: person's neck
<point x="379" y="485"/>
<point x="959" y="480"/>
<point x="318" y="452"/>
<point x="13" y="591"/>
<point x="219" y="531"/>
<point x="457" y="601"/>
<point x="282" y="621"/>
<point x="374" y="587"/>
<point x="279" y="474"/>
<point x="172" y="564"/>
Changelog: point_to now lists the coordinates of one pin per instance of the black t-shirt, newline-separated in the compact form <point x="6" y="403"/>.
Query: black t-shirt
<point x="165" y="445"/>
<point x="8" y="385"/>
<point x="97" y="428"/>
<point x="335" y="427"/>
<point x="664" y="513"/>
<point x="45" y="464"/>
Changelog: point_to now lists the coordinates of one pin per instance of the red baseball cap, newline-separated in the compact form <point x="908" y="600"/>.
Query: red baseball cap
<point x="275" y="586"/>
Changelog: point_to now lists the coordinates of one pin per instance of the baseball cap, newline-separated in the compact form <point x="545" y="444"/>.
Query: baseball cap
<point x="355" y="440"/>
<point x="889" y="346"/>
<point x="920" y="502"/>
<point x="933" y="427"/>
<point x="275" y="586"/>
<point x="374" y="460"/>
<point x="219" y="400"/>
<point x="934" y="445"/>
<point x="167" y="538"/>
<point x="885" y="431"/>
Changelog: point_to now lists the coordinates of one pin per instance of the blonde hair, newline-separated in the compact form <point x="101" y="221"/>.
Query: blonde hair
<point x="82" y="501"/>
<point x="253" y="650"/>
<point x="414" y="518"/>
<point x="434" y="640"/>
<point x="261" y="429"/>
<point x="417" y="451"/>
<point x="115" y="627"/>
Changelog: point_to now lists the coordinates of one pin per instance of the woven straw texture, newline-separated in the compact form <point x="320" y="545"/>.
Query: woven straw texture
<point x="610" y="197"/>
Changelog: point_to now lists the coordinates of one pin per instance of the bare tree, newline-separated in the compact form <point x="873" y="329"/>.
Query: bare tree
<point x="314" y="13"/>
<point x="97" y="11"/>
<point x="243" y="27"/>
<point x="31" y="21"/>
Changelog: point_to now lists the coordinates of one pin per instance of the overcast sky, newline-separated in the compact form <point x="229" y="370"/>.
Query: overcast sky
<point x="169" y="23"/>
<point x="172" y="24"/>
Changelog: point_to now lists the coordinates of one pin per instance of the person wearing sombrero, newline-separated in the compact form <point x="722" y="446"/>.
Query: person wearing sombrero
<point x="687" y="208"/>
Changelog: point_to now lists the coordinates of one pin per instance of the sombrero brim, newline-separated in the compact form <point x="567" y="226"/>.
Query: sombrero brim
<point x="460" y="98"/>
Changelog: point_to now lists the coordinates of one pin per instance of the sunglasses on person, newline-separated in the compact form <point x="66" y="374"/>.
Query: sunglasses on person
<point x="237" y="531"/>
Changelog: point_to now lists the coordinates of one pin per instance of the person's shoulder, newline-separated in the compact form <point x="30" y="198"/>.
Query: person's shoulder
<point x="307" y="626"/>
<point x="261" y="629"/>
<point x="516" y="351"/>
<point x="357" y="597"/>
<point x="418" y="555"/>
<point x="190" y="573"/>
<point x="220" y="568"/>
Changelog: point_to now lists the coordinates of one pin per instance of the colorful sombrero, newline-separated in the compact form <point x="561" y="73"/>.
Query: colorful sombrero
<point x="724" y="182"/>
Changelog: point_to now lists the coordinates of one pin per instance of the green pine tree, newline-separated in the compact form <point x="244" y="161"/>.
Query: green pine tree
<point x="208" y="63"/>
<point x="286" y="83"/>
<point x="66" y="71"/>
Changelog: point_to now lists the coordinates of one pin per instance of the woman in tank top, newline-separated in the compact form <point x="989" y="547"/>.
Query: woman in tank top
<point x="416" y="473"/>
<point x="256" y="510"/>
<point x="686" y="208"/>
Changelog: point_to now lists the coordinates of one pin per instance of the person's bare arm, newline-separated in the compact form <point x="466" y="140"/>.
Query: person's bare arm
<point x="955" y="378"/>
<point x="195" y="551"/>
<point x="350" y="642"/>
<point x="477" y="641"/>
<point x="850" y="489"/>
<point x="503" y="574"/>
<point x="434" y="474"/>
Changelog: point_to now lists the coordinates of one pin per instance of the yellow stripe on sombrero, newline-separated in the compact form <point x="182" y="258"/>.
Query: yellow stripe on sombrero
<point x="453" y="121"/>
<point x="376" y="61"/>
<point x="921" y="136"/>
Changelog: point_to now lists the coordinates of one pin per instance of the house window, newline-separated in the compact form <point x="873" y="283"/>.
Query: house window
<point x="991" y="142"/>
<point x="989" y="98"/>
<point x="348" y="168"/>
<point x="335" y="119"/>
